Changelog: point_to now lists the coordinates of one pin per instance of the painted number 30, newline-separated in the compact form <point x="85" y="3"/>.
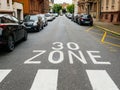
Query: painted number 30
<point x="70" y="45"/>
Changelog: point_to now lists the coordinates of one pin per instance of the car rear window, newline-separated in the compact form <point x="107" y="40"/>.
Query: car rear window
<point x="86" y="16"/>
<point x="31" y="18"/>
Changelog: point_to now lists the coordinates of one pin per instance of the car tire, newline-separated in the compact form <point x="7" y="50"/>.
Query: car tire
<point x="91" y="24"/>
<point x="25" y="35"/>
<point x="10" y="44"/>
<point x="80" y="23"/>
<point x="38" y="29"/>
<point x="42" y="26"/>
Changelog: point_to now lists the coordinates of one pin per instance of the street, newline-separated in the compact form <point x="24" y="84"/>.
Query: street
<point x="62" y="56"/>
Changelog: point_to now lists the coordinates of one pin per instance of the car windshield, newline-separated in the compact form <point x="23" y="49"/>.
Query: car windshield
<point x="86" y="16"/>
<point x="31" y="18"/>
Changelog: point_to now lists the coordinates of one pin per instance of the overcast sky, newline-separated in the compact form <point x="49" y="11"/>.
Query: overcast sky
<point x="61" y="1"/>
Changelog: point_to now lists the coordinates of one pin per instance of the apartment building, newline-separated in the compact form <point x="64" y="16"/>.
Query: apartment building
<point x="90" y="7"/>
<point x="110" y="11"/>
<point x="75" y="2"/>
<point x="6" y="7"/>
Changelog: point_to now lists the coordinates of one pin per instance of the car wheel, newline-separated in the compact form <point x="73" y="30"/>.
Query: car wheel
<point x="38" y="29"/>
<point x="25" y="36"/>
<point x="10" y="44"/>
<point x="42" y="26"/>
<point x="80" y="23"/>
<point x="91" y="24"/>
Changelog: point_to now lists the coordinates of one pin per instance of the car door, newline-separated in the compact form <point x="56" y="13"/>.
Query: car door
<point x="20" y="28"/>
<point x="12" y="27"/>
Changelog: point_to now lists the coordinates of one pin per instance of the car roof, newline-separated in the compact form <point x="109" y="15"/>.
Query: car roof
<point x="1" y="15"/>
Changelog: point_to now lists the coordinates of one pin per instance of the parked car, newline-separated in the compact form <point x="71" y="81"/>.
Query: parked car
<point x="85" y="19"/>
<point x="11" y="31"/>
<point x="75" y="18"/>
<point x="44" y="19"/>
<point x="55" y="14"/>
<point x="50" y="17"/>
<point x="69" y="15"/>
<point x="33" y="23"/>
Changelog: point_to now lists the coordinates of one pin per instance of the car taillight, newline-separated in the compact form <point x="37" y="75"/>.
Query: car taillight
<point x="2" y="25"/>
<point x="91" y="19"/>
<point x="81" y="19"/>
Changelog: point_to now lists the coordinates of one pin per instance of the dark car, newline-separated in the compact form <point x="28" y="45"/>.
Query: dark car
<point x="85" y="19"/>
<point x="33" y="23"/>
<point x="11" y="31"/>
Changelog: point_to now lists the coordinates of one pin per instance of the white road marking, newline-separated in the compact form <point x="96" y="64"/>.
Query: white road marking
<point x="3" y="74"/>
<point x="94" y="57"/>
<point x="59" y="60"/>
<point x="45" y="80"/>
<point x="29" y="61"/>
<point x="100" y="80"/>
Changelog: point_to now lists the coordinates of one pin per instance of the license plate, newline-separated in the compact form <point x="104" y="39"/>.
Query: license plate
<point x="87" y="22"/>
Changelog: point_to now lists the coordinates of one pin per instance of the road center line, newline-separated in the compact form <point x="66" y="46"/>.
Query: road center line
<point x="100" y="80"/>
<point x="45" y="80"/>
<point x="3" y="74"/>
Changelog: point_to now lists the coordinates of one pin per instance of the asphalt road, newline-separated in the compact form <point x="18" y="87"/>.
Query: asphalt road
<point x="63" y="56"/>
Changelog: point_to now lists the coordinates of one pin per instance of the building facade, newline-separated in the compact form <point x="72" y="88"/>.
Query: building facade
<point x="90" y="7"/>
<point x="75" y="2"/>
<point x="110" y="11"/>
<point x="6" y="7"/>
<point x="34" y="6"/>
<point x="18" y="10"/>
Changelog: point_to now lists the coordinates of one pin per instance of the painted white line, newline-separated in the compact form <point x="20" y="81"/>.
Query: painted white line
<point x="45" y="80"/>
<point x="100" y="80"/>
<point x="3" y="74"/>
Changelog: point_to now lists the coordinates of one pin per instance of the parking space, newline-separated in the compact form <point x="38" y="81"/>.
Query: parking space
<point x="105" y="36"/>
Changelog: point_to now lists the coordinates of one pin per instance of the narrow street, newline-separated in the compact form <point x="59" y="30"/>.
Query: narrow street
<point x="62" y="56"/>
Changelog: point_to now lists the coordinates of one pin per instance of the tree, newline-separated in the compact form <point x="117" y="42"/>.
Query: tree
<point x="70" y="8"/>
<point x="56" y="8"/>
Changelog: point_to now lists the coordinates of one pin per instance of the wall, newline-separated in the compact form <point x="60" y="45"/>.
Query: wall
<point x="6" y="8"/>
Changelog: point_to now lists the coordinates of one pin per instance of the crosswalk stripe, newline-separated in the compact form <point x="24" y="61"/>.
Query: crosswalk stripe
<point x="100" y="80"/>
<point x="4" y="73"/>
<point x="45" y="80"/>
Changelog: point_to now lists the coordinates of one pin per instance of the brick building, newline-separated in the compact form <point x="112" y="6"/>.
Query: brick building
<point x="34" y="6"/>
<point x="110" y="11"/>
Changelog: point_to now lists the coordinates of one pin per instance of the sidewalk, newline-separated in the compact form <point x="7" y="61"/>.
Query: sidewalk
<point x="110" y="26"/>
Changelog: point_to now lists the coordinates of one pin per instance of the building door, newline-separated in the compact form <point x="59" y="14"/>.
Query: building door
<point x="111" y="18"/>
<point x="19" y="14"/>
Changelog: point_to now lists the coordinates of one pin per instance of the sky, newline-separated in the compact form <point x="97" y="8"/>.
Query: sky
<point x="61" y="1"/>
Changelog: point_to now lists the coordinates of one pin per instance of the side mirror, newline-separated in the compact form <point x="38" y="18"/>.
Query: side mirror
<point x="20" y="22"/>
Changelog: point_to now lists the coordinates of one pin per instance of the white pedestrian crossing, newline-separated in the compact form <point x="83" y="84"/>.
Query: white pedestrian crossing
<point x="100" y="80"/>
<point x="45" y="80"/>
<point x="4" y="73"/>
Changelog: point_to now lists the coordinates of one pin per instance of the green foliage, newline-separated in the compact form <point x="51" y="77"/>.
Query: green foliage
<point x="70" y="8"/>
<point x="56" y="8"/>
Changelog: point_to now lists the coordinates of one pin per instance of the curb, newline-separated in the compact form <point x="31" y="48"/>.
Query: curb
<point x="108" y="30"/>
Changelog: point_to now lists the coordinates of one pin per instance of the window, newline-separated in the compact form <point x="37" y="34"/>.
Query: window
<point x="107" y="2"/>
<point x="8" y="2"/>
<point x="113" y="2"/>
<point x="15" y="20"/>
<point x="106" y="16"/>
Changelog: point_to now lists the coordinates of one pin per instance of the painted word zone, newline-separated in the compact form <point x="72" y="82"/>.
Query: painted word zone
<point x="57" y="49"/>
